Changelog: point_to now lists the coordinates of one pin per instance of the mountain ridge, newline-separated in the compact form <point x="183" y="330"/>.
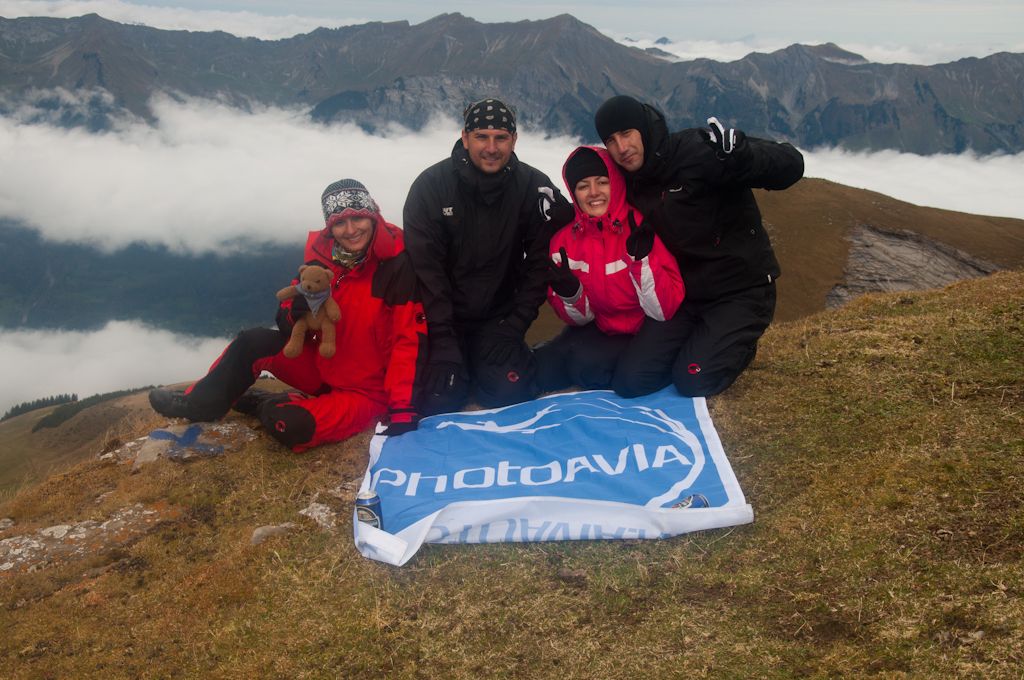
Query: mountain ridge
<point x="556" y="71"/>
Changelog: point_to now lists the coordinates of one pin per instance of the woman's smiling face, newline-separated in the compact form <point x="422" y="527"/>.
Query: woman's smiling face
<point x="593" y="194"/>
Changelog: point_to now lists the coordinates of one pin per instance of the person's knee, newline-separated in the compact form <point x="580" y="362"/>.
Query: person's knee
<point x="255" y="343"/>
<point x="501" y="386"/>
<point x="630" y="384"/>
<point x="287" y="422"/>
<point x="704" y="384"/>
<point x="694" y="380"/>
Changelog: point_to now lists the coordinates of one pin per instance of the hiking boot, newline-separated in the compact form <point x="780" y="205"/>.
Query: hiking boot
<point x="170" y="403"/>
<point x="250" y="402"/>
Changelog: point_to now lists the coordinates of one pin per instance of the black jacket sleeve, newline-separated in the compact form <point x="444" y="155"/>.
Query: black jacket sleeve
<point x="428" y="247"/>
<point x="542" y="198"/>
<point x="764" y="164"/>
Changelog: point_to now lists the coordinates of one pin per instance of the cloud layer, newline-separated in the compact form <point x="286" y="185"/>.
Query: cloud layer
<point x="40" y="364"/>
<point x="208" y="174"/>
<point x="882" y="53"/>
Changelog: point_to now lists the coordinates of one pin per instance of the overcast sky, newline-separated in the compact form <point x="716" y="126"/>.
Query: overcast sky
<point x="207" y="173"/>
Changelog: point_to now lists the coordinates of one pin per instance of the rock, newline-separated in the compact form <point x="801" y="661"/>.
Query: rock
<point x="182" y="443"/>
<point x="126" y="452"/>
<point x="59" y="531"/>
<point x="892" y="261"/>
<point x="6" y="523"/>
<point x="263" y="533"/>
<point x="321" y="514"/>
<point x="68" y="542"/>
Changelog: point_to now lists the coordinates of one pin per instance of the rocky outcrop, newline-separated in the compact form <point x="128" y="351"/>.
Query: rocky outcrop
<point x="70" y="542"/>
<point x="76" y="540"/>
<point x="891" y="261"/>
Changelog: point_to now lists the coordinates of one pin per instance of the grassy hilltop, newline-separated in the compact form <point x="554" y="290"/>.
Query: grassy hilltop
<point x="880" y="445"/>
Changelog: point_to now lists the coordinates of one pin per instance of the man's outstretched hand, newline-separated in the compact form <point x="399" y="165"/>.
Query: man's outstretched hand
<point x="725" y="141"/>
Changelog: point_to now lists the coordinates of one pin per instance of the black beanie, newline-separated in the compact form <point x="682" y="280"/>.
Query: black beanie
<point x="620" y="113"/>
<point x="584" y="163"/>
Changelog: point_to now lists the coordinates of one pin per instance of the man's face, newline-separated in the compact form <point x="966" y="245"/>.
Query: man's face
<point x="627" y="149"/>
<point x="489" y="150"/>
<point x="353" y="233"/>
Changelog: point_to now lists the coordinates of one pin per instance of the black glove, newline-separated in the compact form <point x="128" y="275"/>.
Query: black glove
<point x="725" y="141"/>
<point x="445" y="370"/>
<point x="441" y="377"/>
<point x="560" y="215"/>
<point x="504" y="342"/>
<point x="395" y="429"/>
<point x="641" y="238"/>
<point x="560" y="277"/>
<point x="286" y="315"/>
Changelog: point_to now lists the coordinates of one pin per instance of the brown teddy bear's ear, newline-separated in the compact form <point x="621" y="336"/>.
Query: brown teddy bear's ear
<point x="303" y="267"/>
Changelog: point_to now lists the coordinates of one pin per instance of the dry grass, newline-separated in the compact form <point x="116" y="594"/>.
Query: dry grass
<point x="881" y="446"/>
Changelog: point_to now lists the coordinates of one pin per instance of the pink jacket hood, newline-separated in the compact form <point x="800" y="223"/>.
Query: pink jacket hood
<point x="618" y="209"/>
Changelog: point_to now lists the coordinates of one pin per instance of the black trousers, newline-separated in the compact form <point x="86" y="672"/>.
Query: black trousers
<point x="701" y="350"/>
<point x="580" y="355"/>
<point x="235" y="371"/>
<point x="491" y="385"/>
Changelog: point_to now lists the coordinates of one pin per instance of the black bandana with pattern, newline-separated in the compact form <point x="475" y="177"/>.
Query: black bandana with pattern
<point x="490" y="114"/>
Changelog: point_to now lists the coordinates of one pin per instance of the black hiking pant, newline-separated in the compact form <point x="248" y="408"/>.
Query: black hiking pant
<point x="492" y="385"/>
<point x="701" y="350"/>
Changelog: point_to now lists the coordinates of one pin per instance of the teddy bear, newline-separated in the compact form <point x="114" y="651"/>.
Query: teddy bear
<point x="314" y="285"/>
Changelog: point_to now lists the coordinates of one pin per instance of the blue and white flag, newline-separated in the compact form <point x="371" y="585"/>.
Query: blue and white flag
<point x="587" y="465"/>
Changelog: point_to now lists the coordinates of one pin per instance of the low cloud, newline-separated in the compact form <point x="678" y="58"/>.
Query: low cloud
<point x="207" y="174"/>
<point x="984" y="185"/>
<point x="122" y="355"/>
<point x="726" y="51"/>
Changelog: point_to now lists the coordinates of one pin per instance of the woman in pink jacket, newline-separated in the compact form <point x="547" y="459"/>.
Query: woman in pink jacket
<point x="612" y="282"/>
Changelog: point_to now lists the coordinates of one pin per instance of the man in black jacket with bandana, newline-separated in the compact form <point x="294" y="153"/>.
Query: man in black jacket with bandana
<point x="694" y="189"/>
<point x="477" y="226"/>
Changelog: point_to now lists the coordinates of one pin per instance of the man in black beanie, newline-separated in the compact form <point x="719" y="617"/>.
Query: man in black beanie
<point x="477" y="226"/>
<point x="694" y="187"/>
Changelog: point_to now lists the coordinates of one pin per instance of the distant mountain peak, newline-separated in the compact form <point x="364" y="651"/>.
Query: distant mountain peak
<point x="834" y="53"/>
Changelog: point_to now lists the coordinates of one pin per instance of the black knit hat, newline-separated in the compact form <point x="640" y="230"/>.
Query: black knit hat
<point x="489" y="114"/>
<point x="618" y="114"/>
<point x="347" y="198"/>
<point x="584" y="163"/>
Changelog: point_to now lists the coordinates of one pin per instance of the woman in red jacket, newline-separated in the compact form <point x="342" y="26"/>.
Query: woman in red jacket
<point x="611" y="279"/>
<point x="379" y="339"/>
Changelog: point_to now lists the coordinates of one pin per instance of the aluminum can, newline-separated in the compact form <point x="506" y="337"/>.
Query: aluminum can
<point x="697" y="500"/>
<point x="368" y="509"/>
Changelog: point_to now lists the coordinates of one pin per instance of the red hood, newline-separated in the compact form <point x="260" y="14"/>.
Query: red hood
<point x="618" y="209"/>
<point x="387" y="242"/>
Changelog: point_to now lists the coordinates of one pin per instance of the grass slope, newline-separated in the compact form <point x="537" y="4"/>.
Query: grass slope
<point x="881" y="446"/>
<point x="809" y="224"/>
<point x="28" y="457"/>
